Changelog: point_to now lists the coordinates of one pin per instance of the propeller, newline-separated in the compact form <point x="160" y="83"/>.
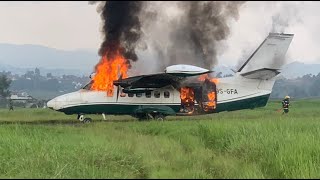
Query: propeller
<point x="233" y="70"/>
<point x="118" y="89"/>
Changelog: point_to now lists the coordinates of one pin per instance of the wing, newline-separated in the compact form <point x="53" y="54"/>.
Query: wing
<point x="144" y="83"/>
<point x="172" y="76"/>
<point x="149" y="81"/>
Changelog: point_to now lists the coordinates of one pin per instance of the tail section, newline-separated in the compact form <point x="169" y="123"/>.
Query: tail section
<point x="265" y="61"/>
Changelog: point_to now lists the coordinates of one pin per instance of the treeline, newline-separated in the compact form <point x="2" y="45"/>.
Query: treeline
<point x="307" y="86"/>
<point x="41" y="87"/>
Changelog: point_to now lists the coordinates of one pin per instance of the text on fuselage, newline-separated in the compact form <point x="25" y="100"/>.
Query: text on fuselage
<point x="227" y="91"/>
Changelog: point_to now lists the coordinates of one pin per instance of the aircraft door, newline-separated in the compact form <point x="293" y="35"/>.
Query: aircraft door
<point x="187" y="96"/>
<point x="209" y="96"/>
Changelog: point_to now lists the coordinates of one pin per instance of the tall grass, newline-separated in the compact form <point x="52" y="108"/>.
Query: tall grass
<point x="260" y="143"/>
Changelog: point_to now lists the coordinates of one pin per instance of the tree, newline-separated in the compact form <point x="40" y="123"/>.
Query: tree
<point x="4" y="86"/>
<point x="49" y="75"/>
<point x="37" y="72"/>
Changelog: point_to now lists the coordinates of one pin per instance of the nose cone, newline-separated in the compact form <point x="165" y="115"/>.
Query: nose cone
<point x="51" y="104"/>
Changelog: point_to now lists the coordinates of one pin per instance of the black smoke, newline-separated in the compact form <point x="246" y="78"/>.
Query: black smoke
<point x="121" y="27"/>
<point x="200" y="31"/>
<point x="196" y="34"/>
<point x="194" y="37"/>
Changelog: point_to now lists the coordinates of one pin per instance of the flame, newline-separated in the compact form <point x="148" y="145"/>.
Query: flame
<point x="212" y="97"/>
<point x="187" y="98"/>
<point x="107" y="71"/>
<point x="211" y="104"/>
<point x="187" y="94"/>
<point x="205" y="76"/>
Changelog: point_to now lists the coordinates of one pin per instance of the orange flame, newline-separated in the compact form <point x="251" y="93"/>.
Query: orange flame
<point x="109" y="70"/>
<point x="187" y="99"/>
<point x="212" y="97"/>
<point x="211" y="104"/>
<point x="187" y="95"/>
<point x="205" y="76"/>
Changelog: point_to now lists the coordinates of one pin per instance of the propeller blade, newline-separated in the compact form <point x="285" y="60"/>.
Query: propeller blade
<point x="118" y="87"/>
<point x="118" y="90"/>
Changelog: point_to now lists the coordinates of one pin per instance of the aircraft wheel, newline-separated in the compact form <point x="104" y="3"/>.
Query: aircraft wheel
<point x="87" y="120"/>
<point x="159" y="117"/>
<point x="81" y="117"/>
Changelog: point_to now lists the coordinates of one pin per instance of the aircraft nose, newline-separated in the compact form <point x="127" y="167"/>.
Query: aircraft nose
<point x="51" y="104"/>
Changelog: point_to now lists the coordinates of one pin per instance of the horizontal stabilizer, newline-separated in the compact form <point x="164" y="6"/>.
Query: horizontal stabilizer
<point x="264" y="74"/>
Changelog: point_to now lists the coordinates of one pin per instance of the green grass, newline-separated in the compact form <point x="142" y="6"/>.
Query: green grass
<point x="260" y="143"/>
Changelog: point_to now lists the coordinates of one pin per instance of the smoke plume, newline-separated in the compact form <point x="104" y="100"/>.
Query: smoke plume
<point x="286" y="15"/>
<point x="121" y="27"/>
<point x="174" y="32"/>
<point x="194" y="34"/>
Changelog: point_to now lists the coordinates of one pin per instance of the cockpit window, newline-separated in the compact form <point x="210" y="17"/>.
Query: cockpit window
<point x="88" y="86"/>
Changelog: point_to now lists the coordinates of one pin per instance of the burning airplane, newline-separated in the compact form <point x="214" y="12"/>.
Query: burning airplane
<point x="180" y="90"/>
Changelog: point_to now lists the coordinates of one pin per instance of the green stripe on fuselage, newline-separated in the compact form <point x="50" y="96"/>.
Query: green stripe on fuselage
<point x="122" y="109"/>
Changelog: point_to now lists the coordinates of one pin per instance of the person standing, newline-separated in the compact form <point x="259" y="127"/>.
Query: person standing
<point x="10" y="106"/>
<point x="285" y="104"/>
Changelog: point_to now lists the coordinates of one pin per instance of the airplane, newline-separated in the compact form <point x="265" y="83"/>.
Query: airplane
<point x="178" y="91"/>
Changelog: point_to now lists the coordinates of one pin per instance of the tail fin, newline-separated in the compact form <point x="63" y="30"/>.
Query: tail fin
<point x="265" y="61"/>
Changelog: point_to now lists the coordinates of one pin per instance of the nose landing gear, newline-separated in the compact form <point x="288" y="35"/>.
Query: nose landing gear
<point x="83" y="119"/>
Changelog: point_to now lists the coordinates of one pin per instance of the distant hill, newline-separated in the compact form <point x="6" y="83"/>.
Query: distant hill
<point x="20" y="58"/>
<point x="44" y="71"/>
<point x="298" y="69"/>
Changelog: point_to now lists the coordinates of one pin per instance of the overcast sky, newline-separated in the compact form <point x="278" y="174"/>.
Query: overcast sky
<point x="76" y="25"/>
<point x="62" y="25"/>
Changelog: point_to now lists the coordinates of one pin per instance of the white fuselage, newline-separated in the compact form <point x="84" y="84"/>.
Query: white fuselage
<point x="229" y="89"/>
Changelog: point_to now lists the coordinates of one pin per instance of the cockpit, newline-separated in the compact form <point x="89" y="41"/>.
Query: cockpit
<point x="88" y="85"/>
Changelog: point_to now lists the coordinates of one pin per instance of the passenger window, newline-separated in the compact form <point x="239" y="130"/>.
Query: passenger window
<point x="166" y="94"/>
<point x="157" y="94"/>
<point x="139" y="94"/>
<point x="148" y="94"/>
<point x="130" y="94"/>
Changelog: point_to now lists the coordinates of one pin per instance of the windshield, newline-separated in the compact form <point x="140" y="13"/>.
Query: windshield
<point x="88" y="86"/>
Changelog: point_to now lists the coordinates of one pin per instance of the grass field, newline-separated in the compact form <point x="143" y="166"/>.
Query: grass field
<point x="260" y="143"/>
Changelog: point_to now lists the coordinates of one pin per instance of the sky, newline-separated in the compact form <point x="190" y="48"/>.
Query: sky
<point x="76" y="25"/>
<point x="61" y="25"/>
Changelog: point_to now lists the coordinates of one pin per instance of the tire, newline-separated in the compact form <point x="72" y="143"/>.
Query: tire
<point x="81" y="117"/>
<point x="159" y="117"/>
<point x="87" y="120"/>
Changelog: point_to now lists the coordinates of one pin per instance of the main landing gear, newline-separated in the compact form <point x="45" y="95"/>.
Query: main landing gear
<point x="150" y="116"/>
<point x="83" y="119"/>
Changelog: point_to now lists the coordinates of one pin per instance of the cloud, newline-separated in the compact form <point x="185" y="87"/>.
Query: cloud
<point x="77" y="25"/>
<point x="257" y="19"/>
<point x="61" y="25"/>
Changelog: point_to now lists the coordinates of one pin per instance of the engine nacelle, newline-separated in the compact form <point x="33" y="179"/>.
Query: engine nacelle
<point x="185" y="69"/>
